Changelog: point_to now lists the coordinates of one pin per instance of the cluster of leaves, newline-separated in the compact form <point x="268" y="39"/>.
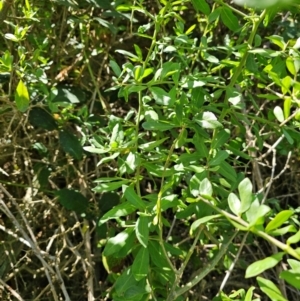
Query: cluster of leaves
<point x="178" y="161"/>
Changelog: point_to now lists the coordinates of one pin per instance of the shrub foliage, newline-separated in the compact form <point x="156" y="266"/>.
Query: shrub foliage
<point x="149" y="150"/>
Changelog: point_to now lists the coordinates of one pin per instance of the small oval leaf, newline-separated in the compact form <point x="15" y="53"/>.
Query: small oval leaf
<point x="278" y="220"/>
<point x="260" y="266"/>
<point x="234" y="203"/>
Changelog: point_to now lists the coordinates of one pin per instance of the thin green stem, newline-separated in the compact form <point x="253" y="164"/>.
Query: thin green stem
<point x="87" y="62"/>
<point x="140" y="109"/>
<point x="247" y="227"/>
<point x="201" y="273"/>
<point x="232" y="8"/>
<point x="158" y="218"/>
<point x="184" y="264"/>
<point x="239" y="70"/>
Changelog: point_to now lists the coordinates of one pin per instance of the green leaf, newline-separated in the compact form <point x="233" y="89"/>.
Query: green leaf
<point x="132" y="161"/>
<point x="182" y="139"/>
<point x="257" y="213"/>
<point x="202" y="151"/>
<point x="294" y="239"/>
<point x="43" y="175"/>
<point x="286" y="84"/>
<point x="278" y="113"/>
<point x="170" y="201"/>
<point x="229" y="19"/>
<point x="220" y="138"/>
<point x="138" y="51"/>
<point x="234" y="203"/>
<point x="115" y="67"/>
<point x="291" y="277"/>
<point x="154" y="125"/>
<point x="72" y="200"/>
<point x="294" y="264"/>
<point x="251" y="65"/>
<point x="116" y="243"/>
<point x="118" y="211"/>
<point x="125" y="282"/>
<point x="70" y="144"/>
<point x="70" y="95"/>
<point x="95" y="150"/>
<point x="108" y="158"/>
<point x="132" y="197"/>
<point x="127" y="53"/>
<point x="22" y="97"/>
<point x="142" y="230"/>
<point x="108" y="200"/>
<point x="277" y="40"/>
<point x="282" y="231"/>
<point x="260" y="266"/>
<point x="39" y="117"/>
<point x="140" y="266"/>
<point x="205" y="188"/>
<point x="157" y="255"/>
<point x="195" y="225"/>
<point x="202" y="6"/>
<point x="161" y="97"/>
<point x="227" y="171"/>
<point x="291" y="66"/>
<point x="278" y="220"/>
<point x="207" y="120"/>
<point x="270" y="289"/>
<point x="109" y="186"/>
<point x="130" y="244"/>
<point x="194" y="184"/>
<point x="288" y="137"/>
<point x="168" y="69"/>
<point x="214" y="15"/>
<point x="249" y="294"/>
<point x="234" y="96"/>
<point x="287" y="107"/>
<point x="158" y="170"/>
<point x="219" y="158"/>
<point x="11" y="37"/>
<point x="152" y="144"/>
<point x="245" y="193"/>
<point x="192" y="84"/>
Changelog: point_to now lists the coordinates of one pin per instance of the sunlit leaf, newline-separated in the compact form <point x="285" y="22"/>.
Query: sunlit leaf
<point x="245" y="193"/>
<point x="291" y="277"/>
<point x="116" y="243"/>
<point x="294" y="239"/>
<point x="260" y="266"/>
<point x="278" y="220"/>
<point x="234" y="203"/>
<point x="22" y="97"/>
<point x="195" y="225"/>
<point x="118" y="211"/>
<point x="270" y="289"/>
<point x="133" y="198"/>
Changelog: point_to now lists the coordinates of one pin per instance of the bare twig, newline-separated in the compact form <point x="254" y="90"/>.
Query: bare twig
<point x="228" y="273"/>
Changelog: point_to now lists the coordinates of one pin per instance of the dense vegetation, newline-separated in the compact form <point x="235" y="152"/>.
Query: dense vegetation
<point x="149" y="150"/>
